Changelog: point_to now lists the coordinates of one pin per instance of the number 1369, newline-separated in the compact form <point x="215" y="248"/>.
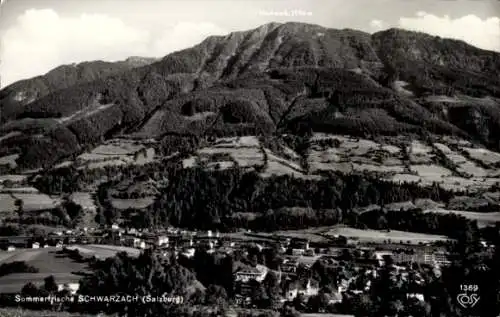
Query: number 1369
<point x="469" y="288"/>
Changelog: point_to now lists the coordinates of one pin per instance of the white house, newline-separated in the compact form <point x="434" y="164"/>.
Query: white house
<point x="380" y="256"/>
<point x="115" y="227"/>
<point x="298" y="252"/>
<point x="139" y="243"/>
<point x="11" y="248"/>
<point x="257" y="273"/>
<point x="71" y="287"/>
<point x="162" y="241"/>
<point x="35" y="245"/>
<point x="132" y="231"/>
<point x="189" y="252"/>
<point x="418" y="296"/>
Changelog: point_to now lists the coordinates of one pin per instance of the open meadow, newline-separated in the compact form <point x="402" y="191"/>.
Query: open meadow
<point x="378" y="236"/>
<point x="52" y="261"/>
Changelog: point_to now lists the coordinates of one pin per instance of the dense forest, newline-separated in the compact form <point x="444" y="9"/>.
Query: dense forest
<point x="237" y="198"/>
<point x="197" y="198"/>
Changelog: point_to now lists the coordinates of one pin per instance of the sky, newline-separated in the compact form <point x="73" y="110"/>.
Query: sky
<point x="39" y="35"/>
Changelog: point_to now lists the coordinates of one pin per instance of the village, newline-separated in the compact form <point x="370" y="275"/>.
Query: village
<point x="359" y="262"/>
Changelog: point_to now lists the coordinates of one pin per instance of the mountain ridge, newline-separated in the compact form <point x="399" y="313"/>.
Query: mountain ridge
<point x="299" y="75"/>
<point x="28" y="90"/>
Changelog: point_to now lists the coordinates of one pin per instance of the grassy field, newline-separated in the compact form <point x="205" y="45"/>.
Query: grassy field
<point x="20" y="190"/>
<point x="138" y="203"/>
<point x="430" y="170"/>
<point x="13" y="178"/>
<point x="46" y="260"/>
<point x="243" y="156"/>
<point x="312" y="234"/>
<point x="243" y="141"/>
<point x="354" y="155"/>
<point x="83" y="199"/>
<point x="7" y="203"/>
<point x="280" y="166"/>
<point x="51" y="260"/>
<point x="321" y="234"/>
<point x="104" y="251"/>
<point x="34" y="202"/>
<point x="9" y="160"/>
<point x="244" y="151"/>
<point x="483" y="218"/>
<point x="116" y="152"/>
<point x="380" y="235"/>
<point x="483" y="155"/>
<point x="472" y="169"/>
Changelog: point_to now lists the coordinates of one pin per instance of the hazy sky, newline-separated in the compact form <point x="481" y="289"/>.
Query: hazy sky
<point x="38" y="35"/>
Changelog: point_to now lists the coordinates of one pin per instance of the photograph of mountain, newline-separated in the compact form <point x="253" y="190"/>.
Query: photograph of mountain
<point x="243" y="158"/>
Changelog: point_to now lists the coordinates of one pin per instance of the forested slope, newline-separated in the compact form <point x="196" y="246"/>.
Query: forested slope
<point x="278" y="78"/>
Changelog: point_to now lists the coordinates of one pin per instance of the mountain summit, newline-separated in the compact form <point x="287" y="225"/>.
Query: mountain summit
<point x="277" y="78"/>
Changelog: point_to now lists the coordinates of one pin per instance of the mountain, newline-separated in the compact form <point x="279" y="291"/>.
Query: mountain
<point x="20" y="93"/>
<point x="277" y="78"/>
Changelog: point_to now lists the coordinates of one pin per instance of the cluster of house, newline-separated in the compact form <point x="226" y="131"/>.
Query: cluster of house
<point x="182" y="241"/>
<point x="299" y="254"/>
<point x="439" y="257"/>
<point x="57" y="238"/>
